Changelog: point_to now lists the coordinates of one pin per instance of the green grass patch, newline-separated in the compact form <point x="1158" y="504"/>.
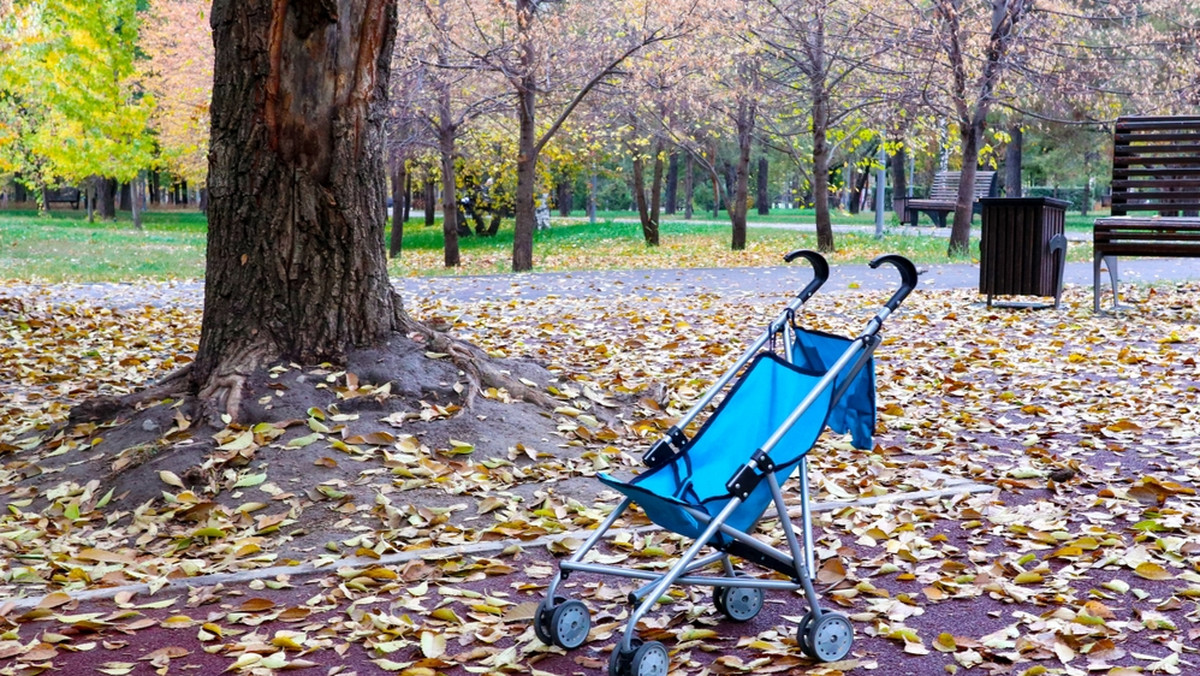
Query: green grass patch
<point x="63" y="246"/>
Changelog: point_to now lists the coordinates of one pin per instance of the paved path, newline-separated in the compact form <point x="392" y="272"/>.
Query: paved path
<point x="780" y="280"/>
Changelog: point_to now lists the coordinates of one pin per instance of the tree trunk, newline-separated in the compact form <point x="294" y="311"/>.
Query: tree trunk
<point x="126" y="197"/>
<point x="763" y="199"/>
<point x="135" y="200"/>
<point x="399" y="179"/>
<point x="821" y="173"/>
<point x="430" y="198"/>
<point x="672" y="188"/>
<point x="295" y="269"/>
<point x="449" y="195"/>
<point x="591" y="204"/>
<point x="899" y="181"/>
<point x="108" y="202"/>
<point x="689" y="186"/>
<point x="565" y="196"/>
<point x="960" y="233"/>
<point x="152" y="188"/>
<point x="526" y="176"/>
<point x="1012" y="162"/>
<point x="408" y="199"/>
<point x="649" y="224"/>
<point x="741" y="199"/>
<point x="656" y="189"/>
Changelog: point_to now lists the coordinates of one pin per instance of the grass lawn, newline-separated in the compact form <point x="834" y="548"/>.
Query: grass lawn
<point x="62" y="246"/>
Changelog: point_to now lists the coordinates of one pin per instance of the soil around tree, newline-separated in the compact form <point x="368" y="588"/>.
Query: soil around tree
<point x="316" y="447"/>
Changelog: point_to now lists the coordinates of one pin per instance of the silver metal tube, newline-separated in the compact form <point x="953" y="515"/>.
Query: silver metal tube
<point x="744" y="537"/>
<point x="588" y="544"/>
<point x="702" y="580"/>
<point x="699" y="563"/>
<point x="721" y="382"/>
<point x="806" y="518"/>
<point x="675" y="572"/>
<point x="786" y="523"/>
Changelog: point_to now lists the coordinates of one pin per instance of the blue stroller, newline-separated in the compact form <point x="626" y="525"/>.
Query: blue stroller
<point x="715" y="486"/>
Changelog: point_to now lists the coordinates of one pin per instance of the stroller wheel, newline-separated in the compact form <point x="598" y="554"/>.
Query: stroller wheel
<point x="619" y="660"/>
<point x="570" y="623"/>
<point x="802" y="634"/>
<point x="740" y="604"/>
<point x="829" y="637"/>
<point x="645" y="659"/>
<point x="542" y="617"/>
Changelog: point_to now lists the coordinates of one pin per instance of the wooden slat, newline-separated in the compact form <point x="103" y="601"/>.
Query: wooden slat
<point x="1163" y="162"/>
<point x="1136" y="184"/>
<point x="1144" y="137"/>
<point x="1165" y="196"/>
<point x="1176" y="223"/>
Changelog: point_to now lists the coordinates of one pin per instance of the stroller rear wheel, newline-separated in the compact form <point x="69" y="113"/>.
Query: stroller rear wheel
<point x="643" y="659"/>
<point x="562" y="623"/>
<point x="826" y="639"/>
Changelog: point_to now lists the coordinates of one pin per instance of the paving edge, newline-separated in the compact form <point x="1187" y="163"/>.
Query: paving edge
<point x="437" y="553"/>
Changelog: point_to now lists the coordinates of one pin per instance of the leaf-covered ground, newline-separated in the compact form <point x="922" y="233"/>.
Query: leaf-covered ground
<point x="1083" y="559"/>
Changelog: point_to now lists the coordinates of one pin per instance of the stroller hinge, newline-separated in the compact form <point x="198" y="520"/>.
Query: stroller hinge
<point x="746" y="479"/>
<point x="664" y="449"/>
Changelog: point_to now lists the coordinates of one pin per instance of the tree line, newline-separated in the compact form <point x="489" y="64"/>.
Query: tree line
<point x="494" y="105"/>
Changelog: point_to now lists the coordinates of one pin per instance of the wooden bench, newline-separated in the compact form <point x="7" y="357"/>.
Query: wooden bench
<point x="944" y="195"/>
<point x="63" y="195"/>
<point x="1156" y="173"/>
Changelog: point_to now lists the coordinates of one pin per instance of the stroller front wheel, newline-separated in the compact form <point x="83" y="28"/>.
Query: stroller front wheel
<point x="562" y="623"/>
<point x="645" y="659"/>
<point x="826" y="639"/>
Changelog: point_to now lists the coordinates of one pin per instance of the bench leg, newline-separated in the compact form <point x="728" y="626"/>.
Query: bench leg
<point x="1097" y="259"/>
<point x="1111" y="262"/>
<point x="940" y="218"/>
<point x="1058" y="245"/>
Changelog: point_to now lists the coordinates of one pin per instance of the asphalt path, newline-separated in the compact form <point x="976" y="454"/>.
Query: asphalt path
<point x="780" y="281"/>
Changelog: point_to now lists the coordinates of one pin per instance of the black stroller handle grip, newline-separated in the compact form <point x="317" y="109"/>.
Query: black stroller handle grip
<point x="820" y="270"/>
<point x="908" y="276"/>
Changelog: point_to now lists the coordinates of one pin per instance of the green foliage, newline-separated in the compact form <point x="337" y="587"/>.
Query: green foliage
<point x="71" y="106"/>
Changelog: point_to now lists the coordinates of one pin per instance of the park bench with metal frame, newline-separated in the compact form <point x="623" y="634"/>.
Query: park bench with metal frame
<point x="61" y="195"/>
<point x="1156" y="175"/>
<point x="944" y="195"/>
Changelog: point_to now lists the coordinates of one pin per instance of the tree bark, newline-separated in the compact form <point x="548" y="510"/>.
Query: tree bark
<point x="1012" y="162"/>
<point x="638" y="184"/>
<point x="430" y="198"/>
<point x="408" y="196"/>
<point x="89" y="191"/>
<point x="399" y="179"/>
<point x="108" y="202"/>
<point x="899" y="181"/>
<point x="763" y="199"/>
<point x="126" y="197"/>
<point x="295" y="269"/>
<point x="821" y="174"/>
<point x="135" y="200"/>
<point x="526" y="176"/>
<point x="689" y="186"/>
<point x="565" y="196"/>
<point x="672" y="187"/>
<point x="960" y="233"/>
<point x="741" y="193"/>
<point x="449" y="196"/>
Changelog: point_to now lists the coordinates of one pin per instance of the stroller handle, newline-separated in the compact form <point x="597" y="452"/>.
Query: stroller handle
<point x="908" y="275"/>
<point x="820" y="270"/>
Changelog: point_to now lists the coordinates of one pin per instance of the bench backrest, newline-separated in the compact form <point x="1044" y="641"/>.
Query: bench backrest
<point x="1156" y="165"/>
<point x="945" y="185"/>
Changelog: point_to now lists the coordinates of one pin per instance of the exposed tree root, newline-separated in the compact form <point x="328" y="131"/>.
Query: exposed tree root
<point x="473" y="362"/>
<point x="175" y="384"/>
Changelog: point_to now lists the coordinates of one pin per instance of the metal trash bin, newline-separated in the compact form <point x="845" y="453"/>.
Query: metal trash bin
<point x="1023" y="250"/>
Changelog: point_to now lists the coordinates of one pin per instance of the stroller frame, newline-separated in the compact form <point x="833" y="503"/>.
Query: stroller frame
<point x="822" y="635"/>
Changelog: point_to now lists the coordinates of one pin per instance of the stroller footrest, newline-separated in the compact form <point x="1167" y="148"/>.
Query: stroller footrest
<point x="746" y="479"/>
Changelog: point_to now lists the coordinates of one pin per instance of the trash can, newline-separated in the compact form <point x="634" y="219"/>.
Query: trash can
<point x="1023" y="250"/>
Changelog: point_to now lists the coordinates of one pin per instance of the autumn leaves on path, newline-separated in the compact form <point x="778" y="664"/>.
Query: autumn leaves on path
<point x="1080" y="559"/>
